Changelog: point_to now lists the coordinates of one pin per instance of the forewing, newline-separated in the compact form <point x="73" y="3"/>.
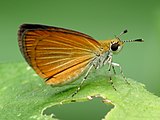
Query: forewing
<point x="57" y="54"/>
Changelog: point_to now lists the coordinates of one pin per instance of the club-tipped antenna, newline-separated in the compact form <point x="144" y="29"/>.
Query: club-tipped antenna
<point x="125" y="31"/>
<point x="136" y="40"/>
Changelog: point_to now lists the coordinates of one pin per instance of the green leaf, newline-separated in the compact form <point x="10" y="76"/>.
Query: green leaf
<point x="23" y="96"/>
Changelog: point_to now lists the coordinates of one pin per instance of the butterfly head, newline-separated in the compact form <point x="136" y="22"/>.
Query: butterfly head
<point x="116" y="44"/>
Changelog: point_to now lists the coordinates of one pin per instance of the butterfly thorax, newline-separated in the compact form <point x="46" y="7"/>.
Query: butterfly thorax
<point x="108" y="48"/>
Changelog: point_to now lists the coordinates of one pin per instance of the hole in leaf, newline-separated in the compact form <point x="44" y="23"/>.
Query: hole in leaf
<point x="94" y="109"/>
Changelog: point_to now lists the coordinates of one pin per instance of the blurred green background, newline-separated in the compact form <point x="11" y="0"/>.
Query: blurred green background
<point x="102" y="19"/>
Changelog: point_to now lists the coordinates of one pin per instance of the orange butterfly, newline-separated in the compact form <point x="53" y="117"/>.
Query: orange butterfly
<point x="60" y="55"/>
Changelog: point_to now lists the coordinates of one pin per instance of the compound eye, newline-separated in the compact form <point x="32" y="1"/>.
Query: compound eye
<point x="114" y="46"/>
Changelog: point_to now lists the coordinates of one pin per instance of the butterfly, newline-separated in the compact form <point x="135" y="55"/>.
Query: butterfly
<point x="61" y="55"/>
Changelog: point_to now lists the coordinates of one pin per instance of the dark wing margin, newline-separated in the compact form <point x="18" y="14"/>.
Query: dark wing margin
<point x="25" y="27"/>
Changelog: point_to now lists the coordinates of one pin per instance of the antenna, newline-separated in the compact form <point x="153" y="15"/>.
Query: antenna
<point x="125" y="31"/>
<point x="136" y="40"/>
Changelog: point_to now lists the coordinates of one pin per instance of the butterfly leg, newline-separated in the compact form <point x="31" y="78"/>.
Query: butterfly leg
<point x="114" y="71"/>
<point x="118" y="65"/>
<point x="110" y="78"/>
<point x="84" y="78"/>
<point x="109" y="61"/>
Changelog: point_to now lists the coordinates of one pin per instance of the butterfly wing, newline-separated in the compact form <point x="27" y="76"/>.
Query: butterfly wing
<point x="57" y="54"/>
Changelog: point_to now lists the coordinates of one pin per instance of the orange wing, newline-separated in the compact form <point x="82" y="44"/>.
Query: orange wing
<point x="57" y="54"/>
